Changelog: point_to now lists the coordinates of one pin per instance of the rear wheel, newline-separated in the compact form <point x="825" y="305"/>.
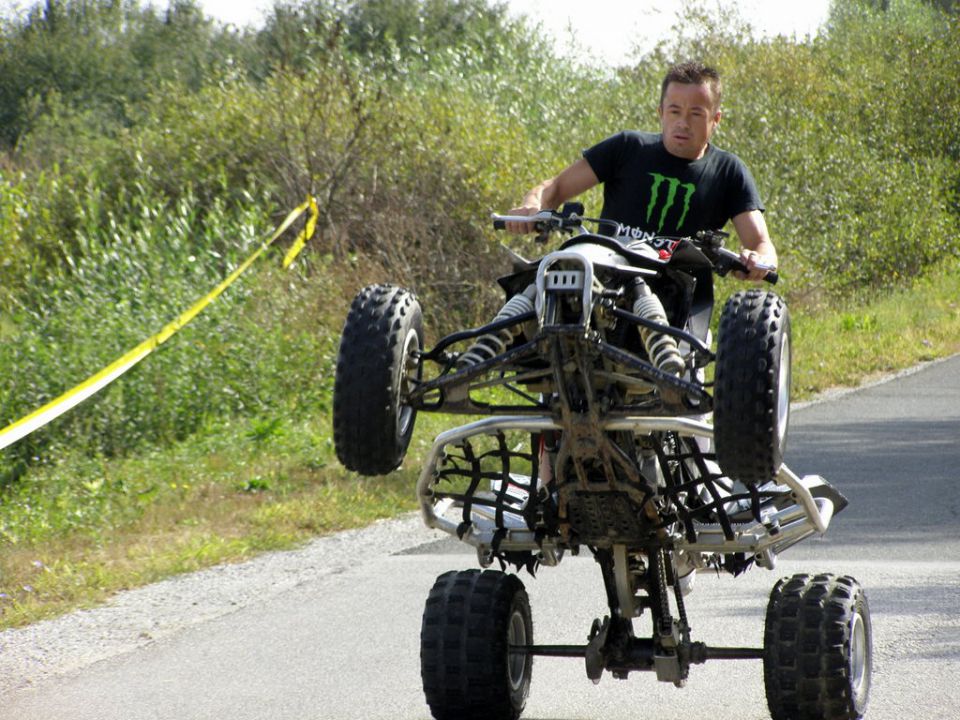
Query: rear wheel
<point x="469" y="623"/>
<point x="379" y="355"/>
<point x="752" y="388"/>
<point x="817" y="649"/>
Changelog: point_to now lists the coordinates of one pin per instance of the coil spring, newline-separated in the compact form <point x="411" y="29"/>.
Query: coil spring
<point x="492" y="344"/>
<point x="661" y="348"/>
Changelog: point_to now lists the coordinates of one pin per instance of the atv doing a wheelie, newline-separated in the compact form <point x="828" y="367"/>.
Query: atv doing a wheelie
<point x="595" y="435"/>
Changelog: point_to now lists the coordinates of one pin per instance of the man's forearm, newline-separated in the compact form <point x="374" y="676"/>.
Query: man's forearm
<point x="551" y="194"/>
<point x="545" y="196"/>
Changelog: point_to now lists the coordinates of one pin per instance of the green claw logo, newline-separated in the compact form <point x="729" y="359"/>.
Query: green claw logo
<point x="672" y="186"/>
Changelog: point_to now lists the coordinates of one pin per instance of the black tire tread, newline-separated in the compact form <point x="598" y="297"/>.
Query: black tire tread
<point x="365" y="394"/>
<point x="806" y="647"/>
<point x="745" y="390"/>
<point x="463" y="646"/>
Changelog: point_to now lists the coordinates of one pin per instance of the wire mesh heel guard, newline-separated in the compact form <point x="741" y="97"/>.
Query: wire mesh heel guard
<point x="497" y="511"/>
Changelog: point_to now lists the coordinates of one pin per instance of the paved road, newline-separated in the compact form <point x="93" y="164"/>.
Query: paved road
<point x="314" y="634"/>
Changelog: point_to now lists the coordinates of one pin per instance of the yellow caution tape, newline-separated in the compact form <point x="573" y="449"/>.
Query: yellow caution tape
<point x="55" y="408"/>
<point x="304" y="235"/>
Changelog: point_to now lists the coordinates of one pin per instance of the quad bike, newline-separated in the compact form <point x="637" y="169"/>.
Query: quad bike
<point x="594" y="434"/>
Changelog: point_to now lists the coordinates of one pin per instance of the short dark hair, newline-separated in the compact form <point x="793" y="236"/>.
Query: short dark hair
<point x="692" y="72"/>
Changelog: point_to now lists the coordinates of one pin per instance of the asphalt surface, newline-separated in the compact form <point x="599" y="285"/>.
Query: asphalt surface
<point x="331" y="631"/>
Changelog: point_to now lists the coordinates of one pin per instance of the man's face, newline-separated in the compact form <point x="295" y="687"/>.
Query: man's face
<point x="687" y="119"/>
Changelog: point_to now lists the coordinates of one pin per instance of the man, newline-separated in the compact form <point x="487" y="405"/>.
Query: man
<point x="669" y="183"/>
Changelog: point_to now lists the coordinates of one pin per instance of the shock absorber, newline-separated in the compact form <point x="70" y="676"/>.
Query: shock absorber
<point x="661" y="348"/>
<point x="492" y="344"/>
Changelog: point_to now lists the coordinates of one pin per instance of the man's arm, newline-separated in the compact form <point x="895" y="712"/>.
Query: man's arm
<point x="550" y="194"/>
<point x="756" y="245"/>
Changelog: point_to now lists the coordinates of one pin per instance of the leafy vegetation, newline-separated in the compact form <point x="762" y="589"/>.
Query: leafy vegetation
<point x="144" y="154"/>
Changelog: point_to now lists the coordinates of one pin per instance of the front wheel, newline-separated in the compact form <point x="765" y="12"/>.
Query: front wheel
<point x="379" y="355"/>
<point x="470" y="622"/>
<point x="817" y="649"/>
<point x="752" y="388"/>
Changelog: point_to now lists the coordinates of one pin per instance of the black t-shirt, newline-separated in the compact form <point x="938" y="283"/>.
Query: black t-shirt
<point x="651" y="192"/>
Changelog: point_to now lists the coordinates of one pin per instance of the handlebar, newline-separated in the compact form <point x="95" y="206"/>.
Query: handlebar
<point x="708" y="241"/>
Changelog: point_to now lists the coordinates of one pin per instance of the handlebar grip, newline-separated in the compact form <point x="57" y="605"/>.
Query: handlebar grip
<point x="535" y="226"/>
<point x="732" y="260"/>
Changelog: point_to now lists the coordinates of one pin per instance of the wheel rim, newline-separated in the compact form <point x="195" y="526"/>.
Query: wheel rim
<point x="783" y="391"/>
<point x="859" y="660"/>
<point x="517" y="660"/>
<point x="409" y="368"/>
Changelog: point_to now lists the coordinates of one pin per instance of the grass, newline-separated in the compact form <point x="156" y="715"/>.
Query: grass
<point x="73" y="534"/>
<point x="849" y="346"/>
<point x="71" y="540"/>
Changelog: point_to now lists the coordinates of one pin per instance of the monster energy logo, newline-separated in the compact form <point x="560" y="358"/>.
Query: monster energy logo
<point x="672" y="186"/>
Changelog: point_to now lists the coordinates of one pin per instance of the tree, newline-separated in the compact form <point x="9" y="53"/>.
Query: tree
<point x="97" y="57"/>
